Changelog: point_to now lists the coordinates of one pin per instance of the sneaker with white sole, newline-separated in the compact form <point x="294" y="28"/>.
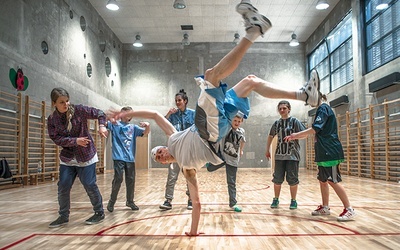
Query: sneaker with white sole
<point x="293" y="204"/>
<point x="189" y="205"/>
<point x="236" y="208"/>
<point x="166" y="205"/>
<point x="245" y="7"/>
<point x="311" y="89"/>
<point x="261" y="21"/>
<point x="253" y="18"/>
<point x="275" y="203"/>
<point x="346" y="215"/>
<point x="61" y="221"/>
<point x="95" y="219"/>
<point x="321" y="210"/>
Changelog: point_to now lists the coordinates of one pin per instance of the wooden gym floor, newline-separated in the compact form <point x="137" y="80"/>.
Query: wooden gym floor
<point x="26" y="212"/>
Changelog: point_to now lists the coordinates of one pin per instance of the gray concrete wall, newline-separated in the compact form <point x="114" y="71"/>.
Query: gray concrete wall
<point x="23" y="27"/>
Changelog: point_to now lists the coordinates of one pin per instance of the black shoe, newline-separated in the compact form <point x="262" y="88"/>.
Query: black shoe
<point x="166" y="206"/>
<point x="132" y="205"/>
<point x="189" y="206"/>
<point x="59" y="222"/>
<point x="211" y="168"/>
<point x="96" y="218"/>
<point x="110" y="206"/>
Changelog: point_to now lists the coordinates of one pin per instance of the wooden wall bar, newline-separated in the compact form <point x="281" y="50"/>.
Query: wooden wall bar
<point x="11" y="134"/>
<point x="371" y="141"/>
<point x="40" y="153"/>
<point x="31" y="154"/>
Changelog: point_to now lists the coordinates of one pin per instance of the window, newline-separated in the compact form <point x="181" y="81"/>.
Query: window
<point x="319" y="61"/>
<point x="382" y="33"/>
<point x="333" y="58"/>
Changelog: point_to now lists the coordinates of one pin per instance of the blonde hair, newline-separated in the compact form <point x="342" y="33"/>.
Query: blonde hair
<point x="55" y="94"/>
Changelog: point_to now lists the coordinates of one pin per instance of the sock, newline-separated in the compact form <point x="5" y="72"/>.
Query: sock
<point x="252" y="33"/>
<point x="301" y="95"/>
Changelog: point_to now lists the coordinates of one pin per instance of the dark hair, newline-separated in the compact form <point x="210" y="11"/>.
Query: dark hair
<point x="126" y="108"/>
<point x="183" y="95"/>
<point x="284" y="102"/>
<point x="54" y="95"/>
<point x="323" y="97"/>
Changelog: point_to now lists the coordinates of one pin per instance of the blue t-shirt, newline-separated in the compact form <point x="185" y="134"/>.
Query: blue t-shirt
<point x="124" y="140"/>
<point x="182" y="120"/>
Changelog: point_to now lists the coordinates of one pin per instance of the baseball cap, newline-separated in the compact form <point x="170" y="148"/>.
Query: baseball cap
<point x="240" y="114"/>
<point x="154" y="152"/>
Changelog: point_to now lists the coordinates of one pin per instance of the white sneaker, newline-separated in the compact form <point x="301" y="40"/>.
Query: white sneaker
<point x="189" y="205"/>
<point x="321" y="210"/>
<point x="261" y="21"/>
<point x="346" y="215"/>
<point x="311" y="89"/>
<point x="253" y="18"/>
<point x="244" y="7"/>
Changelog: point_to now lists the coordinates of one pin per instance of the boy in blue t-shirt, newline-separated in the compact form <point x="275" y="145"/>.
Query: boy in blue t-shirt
<point x="123" y="153"/>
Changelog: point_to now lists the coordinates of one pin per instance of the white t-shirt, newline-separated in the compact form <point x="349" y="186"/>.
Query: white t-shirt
<point x="190" y="151"/>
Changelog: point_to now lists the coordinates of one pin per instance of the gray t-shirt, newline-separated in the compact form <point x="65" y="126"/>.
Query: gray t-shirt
<point x="286" y="150"/>
<point x="231" y="152"/>
<point x="190" y="151"/>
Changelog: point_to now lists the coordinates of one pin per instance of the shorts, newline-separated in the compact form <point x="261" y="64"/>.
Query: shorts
<point x="216" y="108"/>
<point x="290" y="167"/>
<point x="331" y="174"/>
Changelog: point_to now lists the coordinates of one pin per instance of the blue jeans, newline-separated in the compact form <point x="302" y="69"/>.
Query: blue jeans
<point x="87" y="176"/>
<point x="119" y="168"/>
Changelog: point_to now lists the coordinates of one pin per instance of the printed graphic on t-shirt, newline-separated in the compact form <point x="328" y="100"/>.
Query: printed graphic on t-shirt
<point x="232" y="143"/>
<point x="284" y="127"/>
<point x="128" y="135"/>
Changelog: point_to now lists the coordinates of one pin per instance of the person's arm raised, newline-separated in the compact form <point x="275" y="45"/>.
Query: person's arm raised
<point x="161" y="121"/>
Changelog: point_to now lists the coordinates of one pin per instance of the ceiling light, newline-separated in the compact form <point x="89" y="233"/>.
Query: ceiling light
<point x="185" y="40"/>
<point x="294" y="42"/>
<point x="322" y="5"/>
<point x="382" y="4"/>
<point x="112" y="5"/>
<point x="237" y="38"/>
<point x="137" y="42"/>
<point x="179" y="4"/>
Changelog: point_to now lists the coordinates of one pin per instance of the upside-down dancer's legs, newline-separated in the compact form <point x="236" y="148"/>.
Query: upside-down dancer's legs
<point x="256" y="24"/>
<point x="229" y="62"/>
<point x="262" y="87"/>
